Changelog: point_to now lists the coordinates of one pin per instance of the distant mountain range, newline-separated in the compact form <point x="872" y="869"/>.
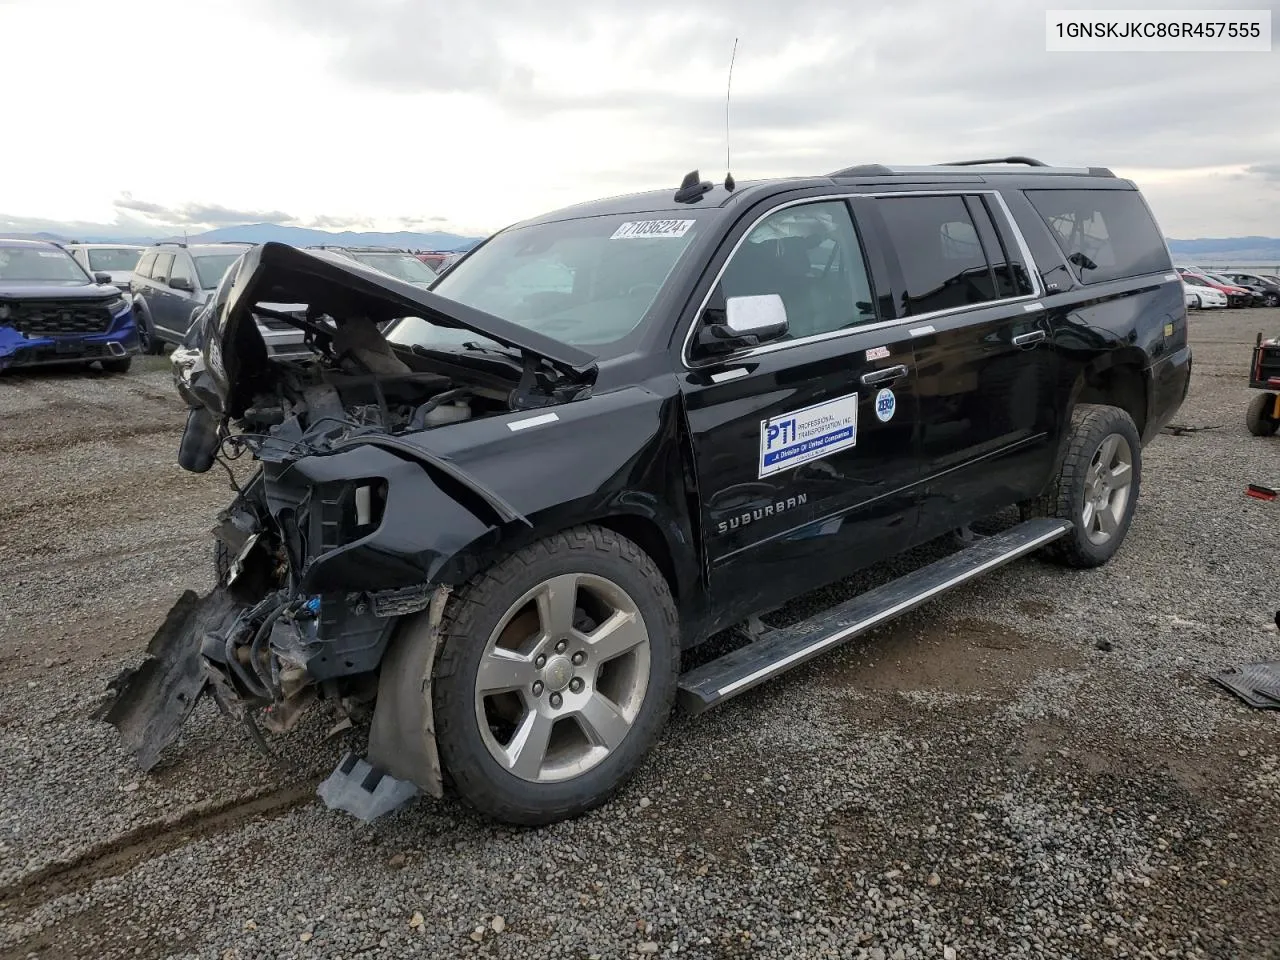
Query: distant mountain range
<point x="1229" y="250"/>
<point x="1208" y="250"/>
<point x="264" y="232"/>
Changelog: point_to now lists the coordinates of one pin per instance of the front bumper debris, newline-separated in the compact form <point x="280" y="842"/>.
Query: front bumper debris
<point x="149" y="703"/>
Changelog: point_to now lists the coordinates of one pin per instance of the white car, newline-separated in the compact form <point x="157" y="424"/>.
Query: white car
<point x="117" y="260"/>
<point x="1202" y="297"/>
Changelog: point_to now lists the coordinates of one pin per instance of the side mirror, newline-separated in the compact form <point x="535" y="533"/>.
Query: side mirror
<point x="181" y="283"/>
<point x="101" y="277"/>
<point x="744" y="322"/>
<point x="763" y="317"/>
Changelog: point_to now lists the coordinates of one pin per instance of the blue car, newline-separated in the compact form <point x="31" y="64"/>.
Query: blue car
<point x="53" y="311"/>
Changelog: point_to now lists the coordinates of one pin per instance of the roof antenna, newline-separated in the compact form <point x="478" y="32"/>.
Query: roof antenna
<point x="728" y="177"/>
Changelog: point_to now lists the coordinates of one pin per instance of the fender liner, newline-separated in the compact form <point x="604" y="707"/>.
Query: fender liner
<point x="402" y="735"/>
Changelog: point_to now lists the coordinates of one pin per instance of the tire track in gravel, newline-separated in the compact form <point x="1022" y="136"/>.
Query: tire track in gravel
<point x="120" y="855"/>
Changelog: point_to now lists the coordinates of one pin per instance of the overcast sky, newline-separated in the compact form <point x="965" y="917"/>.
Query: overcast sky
<point x="410" y="114"/>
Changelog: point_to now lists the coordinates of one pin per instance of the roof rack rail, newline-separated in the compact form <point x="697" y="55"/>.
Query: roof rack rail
<point x="1025" y="161"/>
<point x="169" y="243"/>
<point x="864" y="170"/>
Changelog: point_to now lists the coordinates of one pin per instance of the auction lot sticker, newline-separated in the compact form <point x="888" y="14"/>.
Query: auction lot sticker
<point x="648" y="229"/>
<point x="809" y="434"/>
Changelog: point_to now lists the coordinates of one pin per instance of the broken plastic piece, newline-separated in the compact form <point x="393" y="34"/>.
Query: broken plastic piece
<point x="1259" y="492"/>
<point x="358" y="788"/>
<point x="1257" y="684"/>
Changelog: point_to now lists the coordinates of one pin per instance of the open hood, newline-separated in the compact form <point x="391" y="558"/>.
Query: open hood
<point x="274" y="273"/>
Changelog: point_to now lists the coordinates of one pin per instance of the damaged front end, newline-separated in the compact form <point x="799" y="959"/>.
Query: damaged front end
<point x="351" y="530"/>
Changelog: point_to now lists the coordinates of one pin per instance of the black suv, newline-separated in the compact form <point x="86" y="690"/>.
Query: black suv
<point x="172" y="281"/>
<point x="614" y="431"/>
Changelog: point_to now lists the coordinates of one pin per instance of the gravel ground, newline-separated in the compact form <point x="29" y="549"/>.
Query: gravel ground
<point x="1033" y="766"/>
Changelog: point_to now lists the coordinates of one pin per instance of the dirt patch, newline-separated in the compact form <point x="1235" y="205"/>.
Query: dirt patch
<point x="961" y="657"/>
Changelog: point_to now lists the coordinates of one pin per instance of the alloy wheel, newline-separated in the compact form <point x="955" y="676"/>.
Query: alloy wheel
<point x="562" y="678"/>
<point x="1107" y="488"/>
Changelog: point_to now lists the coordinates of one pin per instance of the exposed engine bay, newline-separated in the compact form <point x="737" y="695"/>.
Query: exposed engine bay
<point x="313" y="568"/>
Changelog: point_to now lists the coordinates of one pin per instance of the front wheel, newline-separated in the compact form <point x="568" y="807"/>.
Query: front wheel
<point x="1096" y="488"/>
<point x="556" y="675"/>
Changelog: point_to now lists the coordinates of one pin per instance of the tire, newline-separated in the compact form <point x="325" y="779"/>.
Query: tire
<point x="1197" y="305"/>
<point x="1096" y="533"/>
<point x="489" y="741"/>
<point x="120" y="365"/>
<point x="1258" y="416"/>
<point x="151" y="345"/>
<point x="1273" y="300"/>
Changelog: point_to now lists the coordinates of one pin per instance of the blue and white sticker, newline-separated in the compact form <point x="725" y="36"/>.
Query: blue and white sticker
<point x="809" y="434"/>
<point x="886" y="404"/>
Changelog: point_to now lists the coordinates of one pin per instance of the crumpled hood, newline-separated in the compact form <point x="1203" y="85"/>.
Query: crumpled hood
<point x="235" y="356"/>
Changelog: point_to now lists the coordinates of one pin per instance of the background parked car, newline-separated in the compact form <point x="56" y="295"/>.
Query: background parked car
<point x="172" y="282"/>
<point x="1201" y="296"/>
<point x="1266" y="290"/>
<point x="1236" y="296"/>
<point x="400" y="264"/>
<point x="114" y="259"/>
<point x="53" y="311"/>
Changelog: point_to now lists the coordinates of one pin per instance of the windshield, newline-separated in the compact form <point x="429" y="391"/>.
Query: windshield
<point x="587" y="283"/>
<point x="113" y="259"/>
<point x="39" y="264"/>
<point x="211" y="267"/>
<point x="402" y="266"/>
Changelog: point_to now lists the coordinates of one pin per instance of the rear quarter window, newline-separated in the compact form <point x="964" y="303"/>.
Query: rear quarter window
<point x="1104" y="234"/>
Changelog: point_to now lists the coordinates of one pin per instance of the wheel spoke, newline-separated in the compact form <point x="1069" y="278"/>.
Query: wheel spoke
<point x="1121" y="475"/>
<point x="1107" y="452"/>
<point x="528" y="747"/>
<point x="602" y="723"/>
<point x="556" y="604"/>
<point x="619" y="634"/>
<point x="1107" y="520"/>
<point x="503" y="670"/>
<point x="1087" y="515"/>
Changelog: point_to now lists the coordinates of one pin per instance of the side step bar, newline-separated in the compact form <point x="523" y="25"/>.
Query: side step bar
<point x="780" y="649"/>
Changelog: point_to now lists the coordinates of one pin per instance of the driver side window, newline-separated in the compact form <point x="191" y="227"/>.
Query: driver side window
<point x="811" y="257"/>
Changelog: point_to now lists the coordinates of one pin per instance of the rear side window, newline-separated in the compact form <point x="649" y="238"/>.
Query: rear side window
<point x="945" y="262"/>
<point x="1104" y="234"/>
<point x="161" y="271"/>
<point x="143" y="269"/>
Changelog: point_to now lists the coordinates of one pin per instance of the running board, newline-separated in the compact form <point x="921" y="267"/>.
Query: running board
<point x="779" y="649"/>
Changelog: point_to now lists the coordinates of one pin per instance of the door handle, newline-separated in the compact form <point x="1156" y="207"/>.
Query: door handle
<point x="1029" y="339"/>
<point x="884" y="376"/>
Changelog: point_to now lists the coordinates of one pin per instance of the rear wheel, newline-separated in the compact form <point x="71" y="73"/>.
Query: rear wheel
<point x="556" y="675"/>
<point x="1273" y="300"/>
<point x="1096" y="488"/>
<point x="1258" y="418"/>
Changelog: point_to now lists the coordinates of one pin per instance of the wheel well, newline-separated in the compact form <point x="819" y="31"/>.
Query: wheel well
<point x="648" y="537"/>
<point x="1119" y="386"/>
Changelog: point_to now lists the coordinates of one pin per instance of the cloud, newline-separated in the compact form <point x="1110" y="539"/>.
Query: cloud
<point x="196" y="214"/>
<point x="1268" y="171"/>
<point x="921" y="81"/>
